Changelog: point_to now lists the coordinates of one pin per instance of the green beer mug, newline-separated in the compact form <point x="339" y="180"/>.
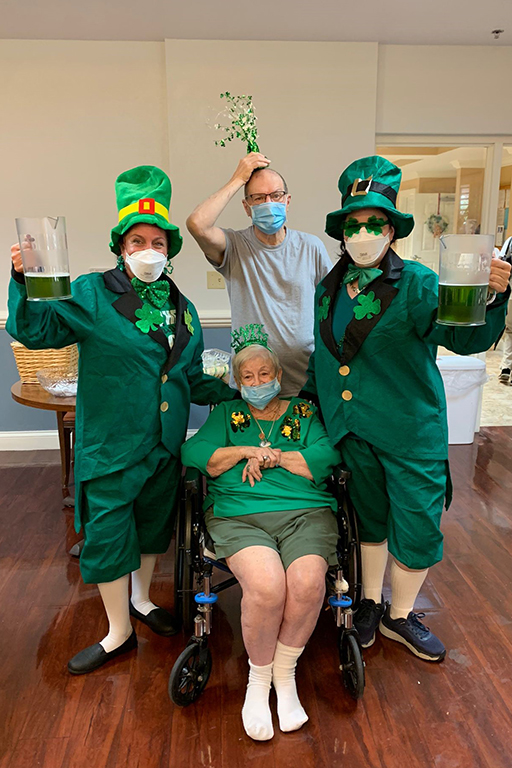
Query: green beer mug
<point x="464" y="269"/>
<point x="44" y="251"/>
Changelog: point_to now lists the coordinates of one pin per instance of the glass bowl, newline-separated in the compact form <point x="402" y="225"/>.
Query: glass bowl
<point x="58" y="383"/>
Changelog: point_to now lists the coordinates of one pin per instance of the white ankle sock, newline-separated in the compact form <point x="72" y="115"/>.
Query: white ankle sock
<point x="141" y="581"/>
<point x="256" y="715"/>
<point x="115" y="599"/>
<point x="289" y="709"/>
<point x="405" y="586"/>
<point x="374" y="558"/>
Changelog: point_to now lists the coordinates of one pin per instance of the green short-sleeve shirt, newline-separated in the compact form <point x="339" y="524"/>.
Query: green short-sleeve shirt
<point x="298" y="429"/>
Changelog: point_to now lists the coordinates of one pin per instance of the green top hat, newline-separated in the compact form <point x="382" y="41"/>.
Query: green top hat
<point x="371" y="182"/>
<point x="143" y="196"/>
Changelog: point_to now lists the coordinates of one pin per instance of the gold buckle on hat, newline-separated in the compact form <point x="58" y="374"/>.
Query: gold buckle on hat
<point x="354" y="191"/>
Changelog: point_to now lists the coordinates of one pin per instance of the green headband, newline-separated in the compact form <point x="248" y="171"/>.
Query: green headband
<point x="248" y="335"/>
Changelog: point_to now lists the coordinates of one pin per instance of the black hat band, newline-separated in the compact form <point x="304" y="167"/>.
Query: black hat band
<point x="363" y="186"/>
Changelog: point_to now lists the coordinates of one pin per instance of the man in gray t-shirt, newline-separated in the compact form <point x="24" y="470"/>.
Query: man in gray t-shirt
<point x="271" y="271"/>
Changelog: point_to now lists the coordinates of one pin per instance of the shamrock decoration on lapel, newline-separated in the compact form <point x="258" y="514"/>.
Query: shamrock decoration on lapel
<point x="187" y="317"/>
<point x="150" y="318"/>
<point x="240" y="421"/>
<point x="324" y="309"/>
<point x="369" y="306"/>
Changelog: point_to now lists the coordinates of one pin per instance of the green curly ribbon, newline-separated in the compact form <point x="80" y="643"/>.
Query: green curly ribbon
<point x="150" y="318"/>
<point x="369" y="306"/>
<point x="187" y="318"/>
<point x="324" y="309"/>
<point x="156" y="293"/>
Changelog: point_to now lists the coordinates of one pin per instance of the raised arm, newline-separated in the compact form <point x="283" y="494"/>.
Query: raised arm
<point x="46" y="324"/>
<point x="423" y="303"/>
<point x="201" y="222"/>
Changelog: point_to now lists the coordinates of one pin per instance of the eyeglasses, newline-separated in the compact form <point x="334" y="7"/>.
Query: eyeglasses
<point x="374" y="225"/>
<point x="275" y="197"/>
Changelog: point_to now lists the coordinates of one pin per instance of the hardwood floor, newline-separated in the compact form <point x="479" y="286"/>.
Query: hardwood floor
<point x="413" y="714"/>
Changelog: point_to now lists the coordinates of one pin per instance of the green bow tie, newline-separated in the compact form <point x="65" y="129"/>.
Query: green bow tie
<point x="365" y="275"/>
<point x="156" y="293"/>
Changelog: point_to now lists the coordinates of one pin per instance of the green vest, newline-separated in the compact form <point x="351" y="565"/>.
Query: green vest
<point x="133" y="390"/>
<point x="384" y="385"/>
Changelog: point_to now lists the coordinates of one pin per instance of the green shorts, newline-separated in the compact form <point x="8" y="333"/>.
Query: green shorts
<point x="292" y="533"/>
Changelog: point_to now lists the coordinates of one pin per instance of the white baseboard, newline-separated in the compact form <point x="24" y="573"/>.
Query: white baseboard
<point x="39" y="440"/>
<point x="36" y="440"/>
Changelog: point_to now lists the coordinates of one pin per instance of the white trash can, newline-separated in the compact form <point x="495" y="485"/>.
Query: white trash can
<point x="463" y="379"/>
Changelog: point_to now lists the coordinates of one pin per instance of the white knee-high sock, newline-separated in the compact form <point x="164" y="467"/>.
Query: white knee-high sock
<point x="141" y="581"/>
<point x="115" y="599"/>
<point x="289" y="709"/>
<point x="256" y="715"/>
<point x="405" y="586"/>
<point x="374" y="558"/>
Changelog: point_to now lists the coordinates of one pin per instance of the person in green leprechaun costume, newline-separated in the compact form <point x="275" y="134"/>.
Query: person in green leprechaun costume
<point x="381" y="395"/>
<point x="140" y="345"/>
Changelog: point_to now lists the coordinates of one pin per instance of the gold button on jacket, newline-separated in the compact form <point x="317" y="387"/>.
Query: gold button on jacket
<point x="344" y="370"/>
<point x="164" y="407"/>
<point x="347" y="394"/>
<point x="164" y="378"/>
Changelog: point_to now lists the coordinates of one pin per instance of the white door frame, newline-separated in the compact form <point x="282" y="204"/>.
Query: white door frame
<point x="494" y="145"/>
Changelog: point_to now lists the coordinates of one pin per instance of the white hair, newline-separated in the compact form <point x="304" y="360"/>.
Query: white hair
<point x="254" y="350"/>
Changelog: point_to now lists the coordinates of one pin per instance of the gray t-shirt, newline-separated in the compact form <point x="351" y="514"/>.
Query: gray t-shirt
<point x="275" y="285"/>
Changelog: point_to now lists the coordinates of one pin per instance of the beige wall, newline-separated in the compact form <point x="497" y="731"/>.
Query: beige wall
<point x="309" y="127"/>
<point x="427" y="89"/>
<point x="74" y="116"/>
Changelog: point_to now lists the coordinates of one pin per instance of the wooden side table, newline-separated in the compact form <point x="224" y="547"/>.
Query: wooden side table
<point x="35" y="396"/>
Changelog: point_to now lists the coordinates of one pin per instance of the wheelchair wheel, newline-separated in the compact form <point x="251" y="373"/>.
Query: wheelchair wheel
<point x="184" y="575"/>
<point x="190" y="674"/>
<point x="352" y="665"/>
<point x="350" y="553"/>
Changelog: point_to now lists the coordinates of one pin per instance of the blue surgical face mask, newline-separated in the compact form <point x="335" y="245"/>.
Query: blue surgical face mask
<point x="269" y="217"/>
<point x="261" y="395"/>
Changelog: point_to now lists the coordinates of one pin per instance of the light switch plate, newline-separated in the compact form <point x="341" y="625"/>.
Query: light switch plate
<point x="214" y="280"/>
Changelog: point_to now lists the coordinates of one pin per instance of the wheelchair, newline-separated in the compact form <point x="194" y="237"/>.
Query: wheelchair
<point x="195" y="594"/>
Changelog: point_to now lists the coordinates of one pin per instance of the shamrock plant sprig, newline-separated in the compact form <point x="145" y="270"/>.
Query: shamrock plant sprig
<point x="242" y="122"/>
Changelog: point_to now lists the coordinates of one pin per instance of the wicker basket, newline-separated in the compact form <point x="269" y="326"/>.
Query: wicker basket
<point x="29" y="361"/>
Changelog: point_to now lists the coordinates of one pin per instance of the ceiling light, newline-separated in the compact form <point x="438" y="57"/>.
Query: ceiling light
<point x="497" y="33"/>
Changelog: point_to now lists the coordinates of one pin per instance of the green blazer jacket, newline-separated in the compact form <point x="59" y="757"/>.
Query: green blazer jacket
<point x="133" y="390"/>
<point x="384" y="385"/>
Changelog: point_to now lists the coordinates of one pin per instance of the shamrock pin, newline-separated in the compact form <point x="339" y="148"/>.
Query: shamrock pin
<point x="369" y="306"/>
<point x="187" y="317"/>
<point x="150" y="318"/>
<point x="324" y="309"/>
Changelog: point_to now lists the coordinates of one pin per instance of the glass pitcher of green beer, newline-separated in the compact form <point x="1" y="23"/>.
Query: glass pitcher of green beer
<point x="44" y="250"/>
<point x="464" y="268"/>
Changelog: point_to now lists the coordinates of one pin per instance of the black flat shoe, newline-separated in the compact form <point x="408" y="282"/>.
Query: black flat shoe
<point x="95" y="656"/>
<point x="159" y="620"/>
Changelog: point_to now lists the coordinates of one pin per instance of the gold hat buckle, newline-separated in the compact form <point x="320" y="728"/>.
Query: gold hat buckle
<point x="354" y="192"/>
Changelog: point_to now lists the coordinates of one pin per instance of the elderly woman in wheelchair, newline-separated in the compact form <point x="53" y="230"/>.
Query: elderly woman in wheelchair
<point x="271" y="516"/>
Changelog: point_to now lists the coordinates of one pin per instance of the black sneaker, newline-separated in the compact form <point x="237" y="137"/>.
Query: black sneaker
<point x="366" y="621"/>
<point x="504" y="376"/>
<point x="416" y="636"/>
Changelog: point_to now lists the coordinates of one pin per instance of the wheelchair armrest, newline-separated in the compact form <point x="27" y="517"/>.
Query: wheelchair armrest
<point x="341" y="475"/>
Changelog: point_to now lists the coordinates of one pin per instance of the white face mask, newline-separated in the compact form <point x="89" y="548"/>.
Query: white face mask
<point x="365" y="248"/>
<point x="147" y="265"/>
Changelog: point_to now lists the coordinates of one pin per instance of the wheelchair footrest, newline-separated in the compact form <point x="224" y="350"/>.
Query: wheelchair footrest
<point x="342" y="602"/>
<point x="202" y="599"/>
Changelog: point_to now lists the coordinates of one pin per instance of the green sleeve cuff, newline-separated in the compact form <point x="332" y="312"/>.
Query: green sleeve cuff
<point x="197" y="453"/>
<point x="321" y="459"/>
